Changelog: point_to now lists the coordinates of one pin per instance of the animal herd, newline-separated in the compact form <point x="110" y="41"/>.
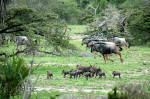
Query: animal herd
<point x="86" y="71"/>
<point x="106" y="47"/>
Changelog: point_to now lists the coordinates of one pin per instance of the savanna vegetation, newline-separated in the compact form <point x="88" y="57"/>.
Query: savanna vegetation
<point x="55" y="29"/>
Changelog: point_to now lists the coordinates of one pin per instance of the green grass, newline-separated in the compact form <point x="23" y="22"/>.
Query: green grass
<point x="132" y="69"/>
<point x="77" y="28"/>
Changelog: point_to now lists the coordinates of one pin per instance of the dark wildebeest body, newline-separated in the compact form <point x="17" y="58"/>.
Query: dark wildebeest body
<point x="49" y="75"/>
<point x="101" y="74"/>
<point x="84" y="68"/>
<point x="87" y="75"/>
<point x="106" y="48"/>
<point x="65" y="72"/>
<point x="87" y="41"/>
<point x="114" y="73"/>
<point x="121" y="42"/>
<point x="79" y="73"/>
<point x="73" y="74"/>
<point x="95" y="70"/>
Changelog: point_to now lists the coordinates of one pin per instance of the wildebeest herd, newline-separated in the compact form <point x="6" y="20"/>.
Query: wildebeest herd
<point x="106" y="47"/>
<point x="86" y="71"/>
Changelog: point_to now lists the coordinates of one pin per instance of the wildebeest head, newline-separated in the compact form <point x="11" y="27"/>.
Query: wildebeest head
<point x="113" y="72"/>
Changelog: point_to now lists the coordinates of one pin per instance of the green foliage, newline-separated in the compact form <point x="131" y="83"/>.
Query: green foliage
<point x="133" y="3"/>
<point x="66" y="10"/>
<point x="27" y="21"/>
<point x="135" y="91"/>
<point x="139" y="24"/>
<point x="116" y="95"/>
<point x="117" y="2"/>
<point x="12" y="75"/>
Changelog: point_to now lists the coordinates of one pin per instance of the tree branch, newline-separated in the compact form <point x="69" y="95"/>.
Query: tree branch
<point x="14" y="31"/>
<point x="18" y="52"/>
<point x="5" y="30"/>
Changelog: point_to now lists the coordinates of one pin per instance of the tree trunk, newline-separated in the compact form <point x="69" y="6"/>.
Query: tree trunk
<point x="2" y="10"/>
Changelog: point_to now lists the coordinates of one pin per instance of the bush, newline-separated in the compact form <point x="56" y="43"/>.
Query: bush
<point x="135" y="91"/>
<point x="12" y="74"/>
<point x="116" y="95"/>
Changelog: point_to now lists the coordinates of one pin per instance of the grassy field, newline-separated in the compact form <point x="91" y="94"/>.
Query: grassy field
<point x="132" y="71"/>
<point x="77" y="28"/>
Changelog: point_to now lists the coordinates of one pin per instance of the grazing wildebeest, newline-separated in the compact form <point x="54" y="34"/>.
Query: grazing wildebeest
<point x="101" y="74"/>
<point x="95" y="70"/>
<point x="79" y="73"/>
<point x="114" y="73"/>
<point x="120" y="42"/>
<point x="106" y="48"/>
<point x="73" y="73"/>
<point x="49" y="74"/>
<point x="22" y="40"/>
<point x="65" y="72"/>
<point x="87" y="40"/>
<point x="87" y="75"/>
<point x="84" y="68"/>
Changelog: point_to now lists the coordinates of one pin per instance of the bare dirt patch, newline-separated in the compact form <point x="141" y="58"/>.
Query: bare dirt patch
<point x="77" y="36"/>
<point x="39" y="88"/>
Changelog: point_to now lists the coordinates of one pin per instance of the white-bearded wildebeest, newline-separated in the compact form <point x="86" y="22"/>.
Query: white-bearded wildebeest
<point x="122" y="42"/>
<point x="106" y="48"/>
<point x="23" y="40"/>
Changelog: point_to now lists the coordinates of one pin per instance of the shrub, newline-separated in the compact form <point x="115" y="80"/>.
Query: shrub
<point x="12" y="74"/>
<point x="116" y="95"/>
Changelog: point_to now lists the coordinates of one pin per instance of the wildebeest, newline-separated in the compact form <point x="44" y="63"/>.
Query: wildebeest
<point x="65" y="72"/>
<point x="106" y="48"/>
<point x="84" y="68"/>
<point x="49" y="74"/>
<point x="73" y="73"/>
<point x="87" y="40"/>
<point x="95" y="70"/>
<point x="122" y="42"/>
<point x="114" y="73"/>
<point x="101" y="74"/>
<point x="22" y="40"/>
<point x="87" y="75"/>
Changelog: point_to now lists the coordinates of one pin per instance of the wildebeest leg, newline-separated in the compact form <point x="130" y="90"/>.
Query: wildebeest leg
<point x="109" y="58"/>
<point x="119" y="76"/>
<point x="64" y="75"/>
<point x="120" y="56"/>
<point x="104" y="56"/>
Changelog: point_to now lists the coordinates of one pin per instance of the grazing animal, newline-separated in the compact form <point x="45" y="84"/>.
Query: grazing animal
<point x="84" y="68"/>
<point x="101" y="74"/>
<point x="22" y="40"/>
<point x="106" y="48"/>
<point x="87" y="75"/>
<point x="114" y="73"/>
<point x="87" y="41"/>
<point x="49" y="74"/>
<point x="79" y="73"/>
<point x="121" y="42"/>
<point x="73" y="74"/>
<point x="95" y="70"/>
<point x="65" y="72"/>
